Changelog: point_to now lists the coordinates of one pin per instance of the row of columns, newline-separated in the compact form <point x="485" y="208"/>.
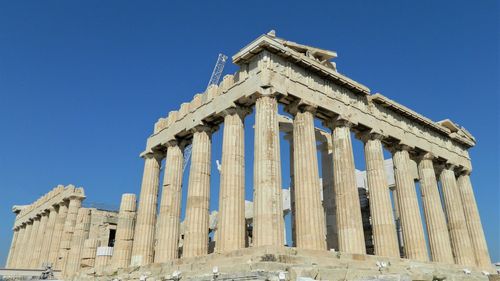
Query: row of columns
<point x="46" y="238"/>
<point x="455" y="232"/>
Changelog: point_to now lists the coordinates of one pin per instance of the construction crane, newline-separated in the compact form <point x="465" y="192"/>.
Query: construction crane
<point x="214" y="80"/>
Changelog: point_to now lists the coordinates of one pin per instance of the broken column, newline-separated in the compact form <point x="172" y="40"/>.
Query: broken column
<point x="122" y="251"/>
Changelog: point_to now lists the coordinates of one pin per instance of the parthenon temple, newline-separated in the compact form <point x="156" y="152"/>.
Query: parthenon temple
<point x="409" y="213"/>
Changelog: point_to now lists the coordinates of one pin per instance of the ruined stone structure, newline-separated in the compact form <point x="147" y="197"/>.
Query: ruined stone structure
<point x="54" y="229"/>
<point x="332" y="229"/>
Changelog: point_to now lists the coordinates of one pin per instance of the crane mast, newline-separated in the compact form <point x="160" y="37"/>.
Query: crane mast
<point x="214" y="80"/>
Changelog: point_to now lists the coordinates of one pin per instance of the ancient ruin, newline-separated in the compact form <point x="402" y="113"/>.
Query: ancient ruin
<point x="346" y="224"/>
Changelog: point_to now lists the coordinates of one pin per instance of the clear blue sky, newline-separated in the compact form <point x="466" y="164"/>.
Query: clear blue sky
<point x="82" y="82"/>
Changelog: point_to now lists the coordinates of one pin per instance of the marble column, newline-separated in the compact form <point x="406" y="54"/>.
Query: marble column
<point x="231" y="217"/>
<point x="122" y="251"/>
<point x="384" y="229"/>
<point x="332" y="239"/>
<point x="309" y="213"/>
<point x="167" y="248"/>
<point x="268" y="206"/>
<point x="89" y="253"/>
<point x="23" y="255"/>
<point x="37" y="250"/>
<point x="81" y="233"/>
<point x="62" y="212"/>
<point x="75" y="202"/>
<point x="18" y="246"/>
<point x="411" y="222"/>
<point x="144" y="236"/>
<point x="459" y="236"/>
<point x="102" y="259"/>
<point x="437" y="231"/>
<point x="47" y="237"/>
<point x="348" y="209"/>
<point x="473" y="222"/>
<point x="198" y="198"/>
<point x="397" y="218"/>
<point x="12" y="249"/>
<point x="289" y="138"/>
<point x="30" y="249"/>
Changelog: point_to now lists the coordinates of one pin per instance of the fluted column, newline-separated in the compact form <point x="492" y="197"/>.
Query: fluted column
<point x="32" y="242"/>
<point x="198" y="198"/>
<point x="310" y="217"/>
<point x="409" y="212"/>
<point x="473" y="222"/>
<point x="62" y="212"/>
<point x="80" y="234"/>
<point x="348" y="209"/>
<point x="459" y="236"/>
<point x="383" y="224"/>
<point x="143" y="247"/>
<point x="439" y="239"/>
<point x="231" y="222"/>
<point x="47" y="237"/>
<point x="289" y="138"/>
<point x="268" y="206"/>
<point x="122" y="251"/>
<point x="18" y="246"/>
<point x="23" y="256"/>
<point x="167" y="248"/>
<point x="35" y="260"/>
<point x="89" y="253"/>
<point x="12" y="249"/>
<point x="332" y="239"/>
<point x="75" y="203"/>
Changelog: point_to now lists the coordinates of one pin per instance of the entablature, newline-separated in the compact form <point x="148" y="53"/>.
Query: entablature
<point x="53" y="197"/>
<point x="268" y="67"/>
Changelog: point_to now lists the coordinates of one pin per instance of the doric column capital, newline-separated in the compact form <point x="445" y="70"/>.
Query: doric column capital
<point x="370" y="135"/>
<point x="444" y="166"/>
<point x="464" y="172"/>
<point x="209" y="129"/>
<point x="241" y="111"/>
<point x="181" y="143"/>
<point x="158" y="155"/>
<point x="399" y="147"/>
<point x="424" y="156"/>
<point x="339" y="121"/>
<point x="301" y="106"/>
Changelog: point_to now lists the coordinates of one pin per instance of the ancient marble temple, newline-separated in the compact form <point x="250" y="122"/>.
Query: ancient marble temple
<point x="327" y="214"/>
